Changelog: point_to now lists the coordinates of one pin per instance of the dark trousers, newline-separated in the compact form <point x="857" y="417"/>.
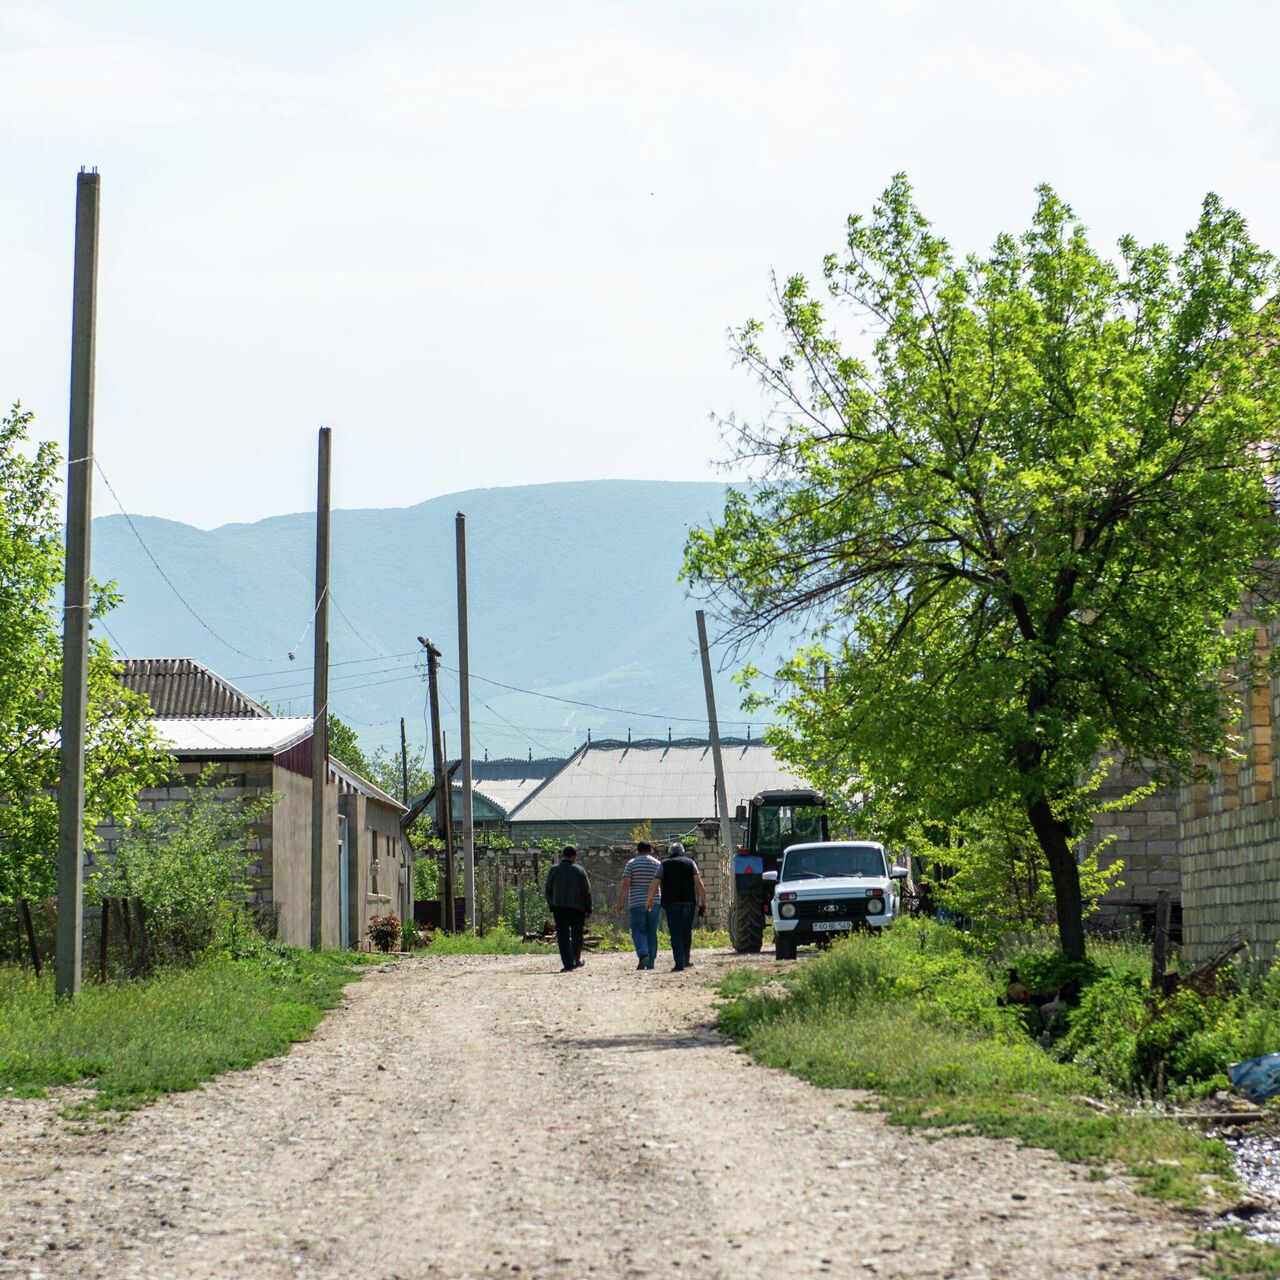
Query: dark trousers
<point x="680" y="926"/>
<point x="569" y="930"/>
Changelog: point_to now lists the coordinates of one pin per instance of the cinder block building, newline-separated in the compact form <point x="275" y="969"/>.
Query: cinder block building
<point x="367" y="863"/>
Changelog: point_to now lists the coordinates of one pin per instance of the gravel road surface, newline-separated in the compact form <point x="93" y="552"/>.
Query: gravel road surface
<point x="490" y="1116"/>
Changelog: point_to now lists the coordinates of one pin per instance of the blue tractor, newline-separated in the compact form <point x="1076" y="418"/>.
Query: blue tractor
<point x="775" y="821"/>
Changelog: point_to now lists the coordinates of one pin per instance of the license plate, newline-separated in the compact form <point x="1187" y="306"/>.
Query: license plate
<point x="831" y="926"/>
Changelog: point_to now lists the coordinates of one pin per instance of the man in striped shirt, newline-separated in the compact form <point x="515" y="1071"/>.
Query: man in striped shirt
<point x="637" y="876"/>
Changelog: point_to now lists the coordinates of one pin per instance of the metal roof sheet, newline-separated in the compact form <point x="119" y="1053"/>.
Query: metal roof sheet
<point x="182" y="688"/>
<point x="362" y="784"/>
<point x="612" y="782"/>
<point x="232" y="735"/>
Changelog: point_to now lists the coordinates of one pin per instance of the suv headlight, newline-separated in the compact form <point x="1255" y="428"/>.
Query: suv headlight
<point x="787" y="910"/>
<point x="875" y="906"/>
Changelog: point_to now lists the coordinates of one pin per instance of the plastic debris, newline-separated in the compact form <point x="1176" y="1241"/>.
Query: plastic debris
<point x="1257" y="1078"/>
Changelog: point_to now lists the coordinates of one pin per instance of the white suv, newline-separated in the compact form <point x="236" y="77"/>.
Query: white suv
<point x="829" y="889"/>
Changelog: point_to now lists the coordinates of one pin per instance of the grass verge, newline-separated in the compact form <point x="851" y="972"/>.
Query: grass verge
<point x="135" y="1041"/>
<point x="913" y="1016"/>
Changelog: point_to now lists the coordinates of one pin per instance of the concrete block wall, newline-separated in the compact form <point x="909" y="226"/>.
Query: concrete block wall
<point x="1230" y="830"/>
<point x="241" y="780"/>
<point x="1146" y="842"/>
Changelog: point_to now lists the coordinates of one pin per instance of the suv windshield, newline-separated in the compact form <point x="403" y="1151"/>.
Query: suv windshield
<point x="848" y="860"/>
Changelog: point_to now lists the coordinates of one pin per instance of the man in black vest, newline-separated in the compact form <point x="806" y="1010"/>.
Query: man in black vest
<point x="569" y="897"/>
<point x="683" y="893"/>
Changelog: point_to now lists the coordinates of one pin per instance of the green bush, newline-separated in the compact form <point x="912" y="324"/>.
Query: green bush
<point x="187" y="863"/>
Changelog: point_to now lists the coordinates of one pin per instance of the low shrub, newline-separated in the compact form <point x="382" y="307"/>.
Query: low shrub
<point x="384" y="931"/>
<point x="187" y="862"/>
<point x="914" y="1016"/>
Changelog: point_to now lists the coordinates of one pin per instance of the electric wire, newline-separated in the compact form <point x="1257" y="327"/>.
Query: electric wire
<point x="186" y="604"/>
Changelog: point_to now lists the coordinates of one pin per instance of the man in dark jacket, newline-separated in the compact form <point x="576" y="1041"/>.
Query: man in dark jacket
<point x="569" y="897"/>
<point x="680" y="883"/>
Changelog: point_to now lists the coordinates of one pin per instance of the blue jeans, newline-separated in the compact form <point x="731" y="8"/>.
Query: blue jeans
<point x="644" y="932"/>
<point x="680" y="925"/>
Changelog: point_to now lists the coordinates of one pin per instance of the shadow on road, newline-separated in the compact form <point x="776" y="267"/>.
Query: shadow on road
<point x="650" y="1041"/>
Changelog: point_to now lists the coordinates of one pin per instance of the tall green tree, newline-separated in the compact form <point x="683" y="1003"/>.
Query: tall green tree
<point x="1010" y="508"/>
<point x="123" y="754"/>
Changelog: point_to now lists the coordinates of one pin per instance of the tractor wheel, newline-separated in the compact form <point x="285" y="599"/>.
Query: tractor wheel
<point x="784" y="946"/>
<point x="746" y="925"/>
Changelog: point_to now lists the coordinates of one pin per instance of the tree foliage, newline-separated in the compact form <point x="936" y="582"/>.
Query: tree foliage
<point x="1011" y="516"/>
<point x="123" y="754"/>
<point x="188" y="863"/>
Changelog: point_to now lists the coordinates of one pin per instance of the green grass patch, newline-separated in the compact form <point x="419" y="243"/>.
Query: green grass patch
<point x="498" y="941"/>
<point x="913" y="1016"/>
<point x="1234" y="1256"/>
<point x="134" y="1041"/>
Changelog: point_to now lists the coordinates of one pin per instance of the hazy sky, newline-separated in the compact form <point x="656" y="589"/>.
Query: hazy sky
<point x="497" y="243"/>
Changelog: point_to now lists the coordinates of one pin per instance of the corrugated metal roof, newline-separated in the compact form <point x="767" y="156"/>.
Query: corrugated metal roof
<point x="506" y="793"/>
<point x="618" y="781"/>
<point x="232" y="735"/>
<point x="362" y="784"/>
<point x="182" y="688"/>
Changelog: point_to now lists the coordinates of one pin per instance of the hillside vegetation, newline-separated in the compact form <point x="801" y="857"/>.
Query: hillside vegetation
<point x="572" y="591"/>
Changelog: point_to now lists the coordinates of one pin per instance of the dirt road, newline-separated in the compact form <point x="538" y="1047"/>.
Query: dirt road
<point x="487" y="1116"/>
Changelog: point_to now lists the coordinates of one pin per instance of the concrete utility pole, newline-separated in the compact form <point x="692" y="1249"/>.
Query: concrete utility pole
<point x="722" y="799"/>
<point x="464" y="705"/>
<point x="75" y="615"/>
<point x="444" y="816"/>
<point x="404" y="766"/>
<point x="320" y="693"/>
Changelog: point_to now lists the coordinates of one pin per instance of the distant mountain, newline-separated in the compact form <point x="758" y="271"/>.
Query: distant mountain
<point x="572" y="591"/>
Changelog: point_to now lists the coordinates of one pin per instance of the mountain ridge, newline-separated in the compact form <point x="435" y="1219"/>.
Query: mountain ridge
<point x="572" y="587"/>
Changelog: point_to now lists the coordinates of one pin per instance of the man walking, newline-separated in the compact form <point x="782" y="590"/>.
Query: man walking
<point x="680" y="882"/>
<point x="569" y="897"/>
<point x="642" y="917"/>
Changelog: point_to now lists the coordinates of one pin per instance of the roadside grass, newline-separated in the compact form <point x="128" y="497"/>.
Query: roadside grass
<point x="1234" y="1256"/>
<point x="134" y="1041"/>
<point x="913" y="1016"/>
<point x="497" y="941"/>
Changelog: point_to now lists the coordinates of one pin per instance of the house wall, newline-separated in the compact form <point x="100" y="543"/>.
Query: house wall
<point x="373" y="827"/>
<point x="1147" y="843"/>
<point x="597" y="835"/>
<point x="291" y="860"/>
<point x="1231" y="834"/>
<point x="241" y="779"/>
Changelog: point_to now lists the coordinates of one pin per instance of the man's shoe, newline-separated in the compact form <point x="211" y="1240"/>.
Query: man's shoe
<point x="642" y="965"/>
<point x="568" y="968"/>
<point x="579" y="964"/>
<point x="650" y="964"/>
<point x="677" y="968"/>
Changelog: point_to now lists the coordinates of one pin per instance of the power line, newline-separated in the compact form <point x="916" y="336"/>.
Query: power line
<point x="373" y="648"/>
<point x="346" y="662"/>
<point x="281" y="689"/>
<point x="595" y="706"/>
<point x="186" y="604"/>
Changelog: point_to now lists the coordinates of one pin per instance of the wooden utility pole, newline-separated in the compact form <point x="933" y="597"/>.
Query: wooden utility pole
<point x="320" y="693"/>
<point x="464" y="712"/>
<point x="1160" y="942"/>
<point x="404" y="766"/>
<point x="75" y="615"/>
<point x="443" y="816"/>
<point x="722" y="799"/>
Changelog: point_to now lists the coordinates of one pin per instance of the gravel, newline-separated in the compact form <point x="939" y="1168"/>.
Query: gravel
<point x="490" y="1116"/>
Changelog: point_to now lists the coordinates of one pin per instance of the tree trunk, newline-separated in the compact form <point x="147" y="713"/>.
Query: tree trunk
<point x="33" y="950"/>
<point x="1054" y="837"/>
